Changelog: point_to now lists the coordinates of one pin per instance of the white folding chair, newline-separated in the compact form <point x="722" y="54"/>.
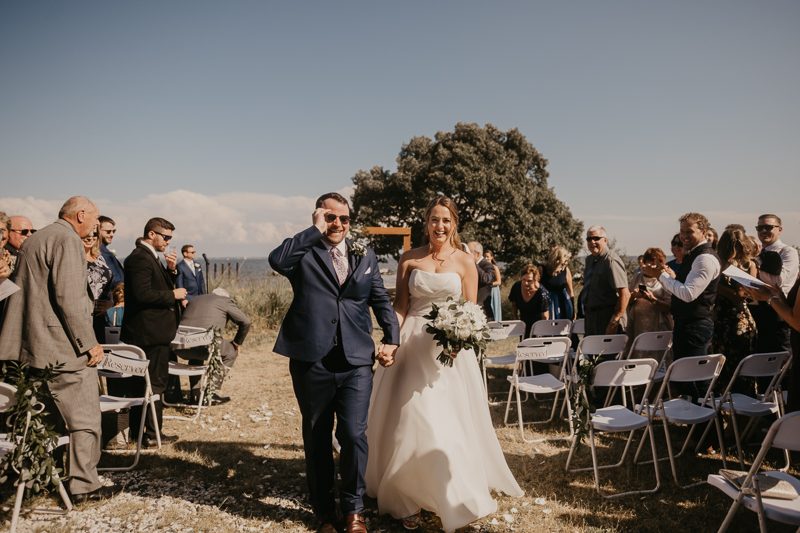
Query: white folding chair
<point x="590" y="347"/>
<point x="544" y="350"/>
<point x="757" y="365"/>
<point x="7" y="445"/>
<point x="561" y="327"/>
<point x="112" y="335"/>
<point x="654" y="341"/>
<point x="784" y="433"/>
<point x="114" y="403"/>
<point x="680" y="411"/>
<point x="579" y="327"/>
<point x="181" y="369"/>
<point x="618" y="418"/>
<point x="499" y="331"/>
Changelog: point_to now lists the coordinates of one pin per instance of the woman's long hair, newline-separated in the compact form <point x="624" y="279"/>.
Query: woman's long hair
<point x="734" y="247"/>
<point x="455" y="242"/>
<point x="557" y="260"/>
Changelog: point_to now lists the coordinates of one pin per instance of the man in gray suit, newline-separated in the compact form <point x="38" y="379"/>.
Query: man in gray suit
<point x="207" y="310"/>
<point x="49" y="321"/>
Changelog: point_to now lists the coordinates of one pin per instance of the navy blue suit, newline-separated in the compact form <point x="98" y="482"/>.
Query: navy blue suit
<point x="326" y="334"/>
<point x="114" y="264"/>
<point x="193" y="282"/>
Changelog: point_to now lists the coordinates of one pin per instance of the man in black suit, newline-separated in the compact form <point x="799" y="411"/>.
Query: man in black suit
<point x="208" y="310"/>
<point x="152" y="313"/>
<point x="485" y="278"/>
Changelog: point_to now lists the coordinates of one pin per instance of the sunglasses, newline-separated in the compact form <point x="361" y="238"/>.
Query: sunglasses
<point x="593" y="239"/>
<point x="766" y="227"/>
<point x="674" y="244"/>
<point x="166" y="238"/>
<point x="24" y="232"/>
<point x="344" y="219"/>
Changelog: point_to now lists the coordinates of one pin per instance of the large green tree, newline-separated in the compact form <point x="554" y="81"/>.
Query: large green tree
<point x="498" y="179"/>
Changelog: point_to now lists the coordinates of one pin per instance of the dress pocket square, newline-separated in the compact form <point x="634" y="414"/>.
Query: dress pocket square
<point x="368" y="271"/>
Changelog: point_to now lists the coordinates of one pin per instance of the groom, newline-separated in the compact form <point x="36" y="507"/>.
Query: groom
<point x="326" y="334"/>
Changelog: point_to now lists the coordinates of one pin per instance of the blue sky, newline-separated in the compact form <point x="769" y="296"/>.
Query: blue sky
<point x="230" y="118"/>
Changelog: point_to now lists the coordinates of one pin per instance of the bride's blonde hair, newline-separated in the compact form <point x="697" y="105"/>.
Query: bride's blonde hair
<point x="444" y="201"/>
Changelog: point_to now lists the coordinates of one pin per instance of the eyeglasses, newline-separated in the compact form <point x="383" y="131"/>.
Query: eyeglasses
<point x="674" y="244"/>
<point x="344" y="219"/>
<point x="766" y="227"/>
<point x="165" y="237"/>
<point x="24" y="232"/>
<point x="593" y="239"/>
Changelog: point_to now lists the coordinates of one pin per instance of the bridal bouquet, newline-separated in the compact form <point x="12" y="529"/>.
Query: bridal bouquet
<point x="456" y="326"/>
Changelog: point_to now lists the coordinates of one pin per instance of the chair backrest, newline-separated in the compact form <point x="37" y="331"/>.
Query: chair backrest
<point x="125" y="350"/>
<point x="787" y="434"/>
<point x="698" y="368"/>
<point x="760" y="365"/>
<point x="624" y="373"/>
<point x="579" y="327"/>
<point x="7" y="396"/>
<point x="112" y="335"/>
<point x="606" y="344"/>
<point x="551" y="328"/>
<point x="654" y="341"/>
<point x="513" y="328"/>
<point x="544" y="348"/>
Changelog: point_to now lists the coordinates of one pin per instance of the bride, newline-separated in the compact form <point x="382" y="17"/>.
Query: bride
<point x="431" y="440"/>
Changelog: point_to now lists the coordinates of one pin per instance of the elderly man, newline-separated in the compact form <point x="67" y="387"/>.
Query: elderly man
<point x="21" y="228"/>
<point x="49" y="321"/>
<point x="107" y="231"/>
<point x="215" y="310"/>
<point x="605" y="294"/>
<point x="694" y="291"/>
<point x="778" y="267"/>
<point x="485" y="278"/>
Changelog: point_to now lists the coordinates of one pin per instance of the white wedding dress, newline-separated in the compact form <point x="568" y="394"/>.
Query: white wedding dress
<point x="431" y="440"/>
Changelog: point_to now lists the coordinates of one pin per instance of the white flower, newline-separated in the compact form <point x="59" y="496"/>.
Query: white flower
<point x="357" y="249"/>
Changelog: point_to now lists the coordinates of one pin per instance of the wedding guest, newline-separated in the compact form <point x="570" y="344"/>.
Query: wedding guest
<point x="557" y="279"/>
<point x="735" y="330"/>
<point x="485" y="278"/>
<point x="649" y="306"/>
<point x="5" y="256"/>
<point x="605" y="283"/>
<point x="713" y="238"/>
<point x="497" y="308"/>
<point x="756" y="244"/>
<point x="101" y="281"/>
<point x="115" y="314"/>
<point x="190" y="275"/>
<point x="530" y="301"/>
<point x="107" y="231"/>
<point x="19" y="229"/>
<point x="778" y="266"/>
<point x="677" y="250"/>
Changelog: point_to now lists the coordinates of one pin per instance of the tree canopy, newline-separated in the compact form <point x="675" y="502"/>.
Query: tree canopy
<point x="498" y="180"/>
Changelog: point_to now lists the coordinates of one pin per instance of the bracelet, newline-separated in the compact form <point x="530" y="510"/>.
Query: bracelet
<point x="769" y="302"/>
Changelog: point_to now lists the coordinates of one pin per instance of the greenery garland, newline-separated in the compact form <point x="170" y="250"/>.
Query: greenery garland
<point x="216" y="371"/>
<point x="32" y="459"/>
<point x="583" y="396"/>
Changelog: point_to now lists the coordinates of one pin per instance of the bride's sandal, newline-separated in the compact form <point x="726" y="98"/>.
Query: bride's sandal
<point x="411" y="522"/>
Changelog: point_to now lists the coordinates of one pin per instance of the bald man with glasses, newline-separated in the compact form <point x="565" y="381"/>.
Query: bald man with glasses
<point x="21" y="228"/>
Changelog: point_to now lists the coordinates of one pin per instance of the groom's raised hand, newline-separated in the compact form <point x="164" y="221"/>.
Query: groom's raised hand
<point x="386" y="354"/>
<point x="318" y="218"/>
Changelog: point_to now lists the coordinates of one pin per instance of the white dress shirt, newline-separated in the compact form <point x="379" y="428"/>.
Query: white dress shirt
<point x="150" y="248"/>
<point x="788" y="270"/>
<point x="705" y="268"/>
<point x="190" y="262"/>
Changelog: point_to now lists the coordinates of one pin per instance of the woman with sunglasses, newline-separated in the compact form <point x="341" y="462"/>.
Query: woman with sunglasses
<point x="101" y="281"/>
<point x="677" y="250"/>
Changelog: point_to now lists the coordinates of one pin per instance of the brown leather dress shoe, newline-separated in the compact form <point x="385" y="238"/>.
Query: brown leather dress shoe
<point x="326" y="525"/>
<point x="356" y="524"/>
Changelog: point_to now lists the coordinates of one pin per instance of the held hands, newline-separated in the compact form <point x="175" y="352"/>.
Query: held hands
<point x="96" y="355"/>
<point x="180" y="294"/>
<point x="386" y="355"/>
<point x="172" y="260"/>
<point x="646" y="295"/>
<point x="318" y="218"/>
<point x="654" y="269"/>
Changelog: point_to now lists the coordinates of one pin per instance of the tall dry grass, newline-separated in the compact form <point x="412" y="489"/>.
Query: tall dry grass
<point x="265" y="300"/>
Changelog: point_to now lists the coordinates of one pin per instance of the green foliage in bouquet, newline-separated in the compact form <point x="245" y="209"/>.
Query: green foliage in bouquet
<point x="32" y="458"/>
<point x="583" y="396"/>
<point x="448" y="335"/>
<point x="215" y="368"/>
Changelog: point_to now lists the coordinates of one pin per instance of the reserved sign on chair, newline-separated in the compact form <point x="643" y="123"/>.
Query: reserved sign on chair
<point x="532" y="352"/>
<point x="119" y="363"/>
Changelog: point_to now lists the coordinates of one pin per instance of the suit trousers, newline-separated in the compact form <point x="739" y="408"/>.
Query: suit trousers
<point x="79" y="406"/>
<point x="323" y="389"/>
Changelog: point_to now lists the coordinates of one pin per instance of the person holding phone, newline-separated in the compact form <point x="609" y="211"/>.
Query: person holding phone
<point x="648" y="309"/>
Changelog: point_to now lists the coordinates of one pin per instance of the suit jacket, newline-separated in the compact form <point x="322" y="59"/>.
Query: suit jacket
<point x="323" y="313"/>
<point x="213" y="310"/>
<point x="191" y="279"/>
<point x="485" y="280"/>
<point x="50" y="319"/>
<point x="113" y="264"/>
<point x="151" y="310"/>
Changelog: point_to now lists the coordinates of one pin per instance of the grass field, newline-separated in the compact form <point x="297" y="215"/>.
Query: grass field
<point x="241" y="468"/>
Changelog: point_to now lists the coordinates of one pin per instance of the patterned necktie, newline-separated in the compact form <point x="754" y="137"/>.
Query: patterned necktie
<point x="339" y="264"/>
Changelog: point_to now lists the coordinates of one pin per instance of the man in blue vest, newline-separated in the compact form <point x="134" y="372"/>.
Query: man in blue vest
<point x="694" y="291"/>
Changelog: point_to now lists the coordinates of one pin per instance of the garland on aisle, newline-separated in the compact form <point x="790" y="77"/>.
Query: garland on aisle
<point x="216" y="371"/>
<point x="32" y="458"/>
<point x="583" y="396"/>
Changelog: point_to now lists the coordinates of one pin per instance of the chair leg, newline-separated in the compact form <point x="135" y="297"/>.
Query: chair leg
<point x="737" y="437"/>
<point x="731" y="513"/>
<point x="17" y="505"/>
<point x="508" y="404"/>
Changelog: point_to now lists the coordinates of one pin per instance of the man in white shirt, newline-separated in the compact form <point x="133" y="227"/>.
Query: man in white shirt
<point x="694" y="291"/>
<point x="773" y="331"/>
